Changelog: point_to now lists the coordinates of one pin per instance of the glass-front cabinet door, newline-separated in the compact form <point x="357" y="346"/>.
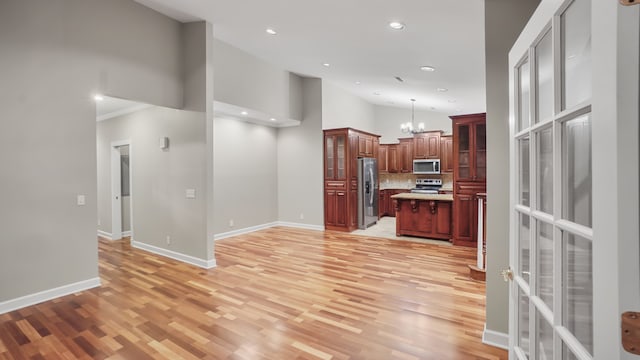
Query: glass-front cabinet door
<point x="464" y="152"/>
<point x="335" y="157"/>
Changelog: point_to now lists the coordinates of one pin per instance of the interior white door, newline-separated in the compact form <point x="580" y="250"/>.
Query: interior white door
<point x="116" y="193"/>
<point x="561" y="210"/>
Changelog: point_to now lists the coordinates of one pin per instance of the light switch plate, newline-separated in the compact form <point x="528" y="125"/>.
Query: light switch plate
<point x="191" y="193"/>
<point x="81" y="200"/>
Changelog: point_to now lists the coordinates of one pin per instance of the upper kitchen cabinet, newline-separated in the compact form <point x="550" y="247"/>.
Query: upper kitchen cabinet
<point x="383" y="158"/>
<point x="446" y="154"/>
<point x="405" y="155"/>
<point x="469" y="147"/>
<point x="427" y="145"/>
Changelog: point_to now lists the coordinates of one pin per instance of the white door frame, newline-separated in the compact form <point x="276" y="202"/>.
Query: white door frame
<point x="116" y="189"/>
<point x="616" y="162"/>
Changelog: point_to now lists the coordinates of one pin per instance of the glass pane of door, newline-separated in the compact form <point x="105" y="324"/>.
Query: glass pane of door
<point x="464" y="145"/>
<point x="544" y="78"/>
<point x="544" y="263"/>
<point x="544" y="336"/>
<point x="578" y="291"/>
<point x="523" y="173"/>
<point x="523" y="322"/>
<point x="576" y="170"/>
<point x="576" y="53"/>
<point x="481" y="151"/>
<point x="329" y="157"/>
<point x="524" y="247"/>
<point x="545" y="170"/>
<point x="523" y="95"/>
<point x="340" y="156"/>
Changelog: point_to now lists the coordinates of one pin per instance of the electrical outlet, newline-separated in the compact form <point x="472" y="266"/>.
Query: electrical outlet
<point x="231" y="223"/>
<point x="301" y="216"/>
<point x="81" y="200"/>
<point x="168" y="240"/>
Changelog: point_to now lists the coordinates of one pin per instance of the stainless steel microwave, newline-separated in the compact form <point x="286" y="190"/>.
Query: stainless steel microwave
<point x="426" y="166"/>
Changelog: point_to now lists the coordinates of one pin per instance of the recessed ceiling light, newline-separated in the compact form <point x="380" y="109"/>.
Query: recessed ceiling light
<point x="271" y="31"/>
<point x="98" y="97"/>
<point x="396" y="25"/>
<point x="452" y="101"/>
<point x="427" y="68"/>
<point x="376" y="93"/>
<point x="326" y="64"/>
<point x="442" y="89"/>
<point x="244" y="113"/>
<point x="358" y="83"/>
<point x="273" y="119"/>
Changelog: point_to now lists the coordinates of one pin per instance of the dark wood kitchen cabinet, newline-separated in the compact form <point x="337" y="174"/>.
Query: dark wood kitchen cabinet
<point x="383" y="158"/>
<point x="405" y="155"/>
<point x="469" y="175"/>
<point x="424" y="218"/>
<point x="446" y="154"/>
<point x="342" y="148"/>
<point x="427" y="145"/>
<point x="392" y="158"/>
<point x="382" y="203"/>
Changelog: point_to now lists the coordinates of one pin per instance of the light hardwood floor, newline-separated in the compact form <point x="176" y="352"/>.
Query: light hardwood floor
<point x="279" y="293"/>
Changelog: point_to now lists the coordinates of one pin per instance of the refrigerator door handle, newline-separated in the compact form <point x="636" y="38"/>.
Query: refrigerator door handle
<point x="371" y="194"/>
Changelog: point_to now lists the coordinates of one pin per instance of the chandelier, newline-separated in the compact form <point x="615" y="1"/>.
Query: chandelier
<point x="409" y="126"/>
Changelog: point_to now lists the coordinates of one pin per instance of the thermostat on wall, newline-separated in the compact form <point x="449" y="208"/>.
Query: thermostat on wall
<point x="164" y="143"/>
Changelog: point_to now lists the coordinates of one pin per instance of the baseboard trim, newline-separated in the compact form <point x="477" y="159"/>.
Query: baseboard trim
<point x="205" y="264"/>
<point x="104" y="234"/>
<point x="126" y="233"/>
<point x="494" y="338"/>
<point x="251" y="229"/>
<point x="46" y="295"/>
<point x="301" y="226"/>
<point x="243" y="231"/>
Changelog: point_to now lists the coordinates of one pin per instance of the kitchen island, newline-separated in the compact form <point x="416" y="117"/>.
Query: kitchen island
<point x="424" y="215"/>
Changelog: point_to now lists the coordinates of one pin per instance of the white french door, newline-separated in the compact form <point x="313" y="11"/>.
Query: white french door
<point x="554" y="189"/>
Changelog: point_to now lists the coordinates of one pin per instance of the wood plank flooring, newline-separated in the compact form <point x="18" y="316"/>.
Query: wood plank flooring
<point x="279" y="293"/>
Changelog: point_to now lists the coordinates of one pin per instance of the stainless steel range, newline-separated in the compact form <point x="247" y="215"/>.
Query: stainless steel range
<point x="427" y="186"/>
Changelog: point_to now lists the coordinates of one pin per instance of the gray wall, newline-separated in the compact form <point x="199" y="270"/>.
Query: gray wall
<point x="243" y="80"/>
<point x="343" y="109"/>
<point x="55" y="55"/>
<point x="245" y="175"/>
<point x="504" y="20"/>
<point x="160" y="177"/>
<point x="300" y="163"/>
<point x="388" y="120"/>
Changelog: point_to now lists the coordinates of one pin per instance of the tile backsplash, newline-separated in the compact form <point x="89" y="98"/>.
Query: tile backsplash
<point x="408" y="180"/>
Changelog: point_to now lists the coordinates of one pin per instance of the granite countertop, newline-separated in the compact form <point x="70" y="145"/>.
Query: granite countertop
<point x="413" y="196"/>
<point x="397" y="186"/>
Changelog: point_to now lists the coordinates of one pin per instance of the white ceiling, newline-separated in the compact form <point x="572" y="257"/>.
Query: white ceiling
<point x="354" y="37"/>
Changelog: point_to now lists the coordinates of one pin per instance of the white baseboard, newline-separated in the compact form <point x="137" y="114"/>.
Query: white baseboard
<point x="205" y="264"/>
<point x="494" y="338"/>
<point x="104" y="234"/>
<point x="126" y="233"/>
<point x="301" y="226"/>
<point x="42" y="296"/>
<point x="251" y="229"/>
<point x="246" y="230"/>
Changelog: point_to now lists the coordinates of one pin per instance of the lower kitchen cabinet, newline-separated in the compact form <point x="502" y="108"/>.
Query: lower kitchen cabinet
<point x="382" y="204"/>
<point x="424" y="218"/>
<point x="335" y="208"/>
<point x="465" y="207"/>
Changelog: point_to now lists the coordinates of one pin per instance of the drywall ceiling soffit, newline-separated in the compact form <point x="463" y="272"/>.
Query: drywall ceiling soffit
<point x="353" y="36"/>
<point x="251" y="116"/>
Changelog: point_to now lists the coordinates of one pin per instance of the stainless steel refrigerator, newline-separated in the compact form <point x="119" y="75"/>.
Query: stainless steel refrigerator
<point x="367" y="192"/>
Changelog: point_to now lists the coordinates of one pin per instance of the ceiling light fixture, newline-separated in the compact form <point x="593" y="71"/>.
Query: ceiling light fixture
<point x="427" y="68"/>
<point x="273" y="119"/>
<point x="326" y="64"/>
<point x="271" y="31"/>
<point x="244" y="113"/>
<point x="452" y="101"/>
<point x="98" y="97"/>
<point x="376" y="93"/>
<point x="358" y="83"/>
<point x="442" y="89"/>
<point x="396" y="25"/>
<point x="408" y="127"/>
